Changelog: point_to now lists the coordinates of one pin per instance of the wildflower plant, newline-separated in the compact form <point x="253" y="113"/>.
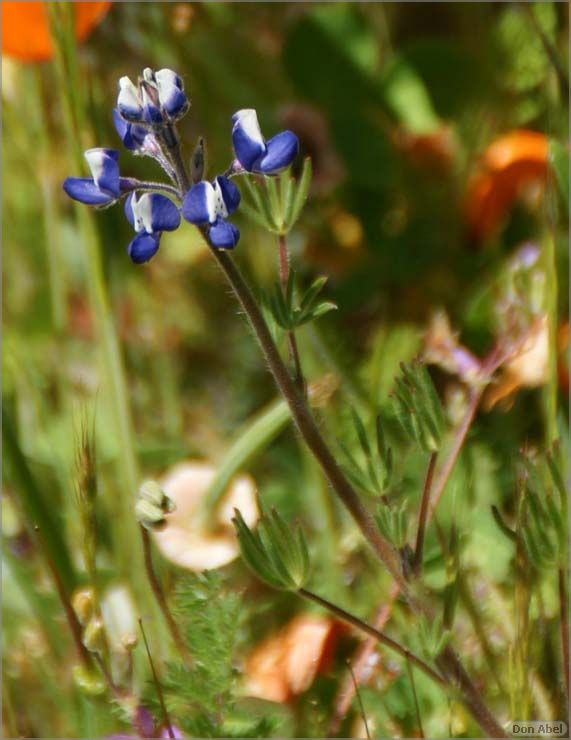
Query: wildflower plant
<point x="385" y="459"/>
<point x="145" y="119"/>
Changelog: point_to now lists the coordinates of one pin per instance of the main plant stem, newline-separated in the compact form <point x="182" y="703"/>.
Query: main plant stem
<point x="448" y="661"/>
<point x="305" y="421"/>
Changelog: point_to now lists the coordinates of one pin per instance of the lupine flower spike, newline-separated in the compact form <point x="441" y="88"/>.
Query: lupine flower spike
<point x="145" y="119"/>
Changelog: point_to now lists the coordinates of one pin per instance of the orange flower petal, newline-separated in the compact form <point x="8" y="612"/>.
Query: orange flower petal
<point x="509" y="165"/>
<point x="25" y="28"/>
<point x="286" y="663"/>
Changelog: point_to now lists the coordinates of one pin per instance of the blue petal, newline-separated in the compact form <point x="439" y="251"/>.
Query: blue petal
<point x="165" y="216"/>
<point x="152" y="114"/>
<point x="223" y="235"/>
<point x="128" y="208"/>
<point x="104" y="169"/>
<point x="86" y="191"/>
<point x="247" y="138"/>
<point x="173" y="99"/>
<point x="198" y="206"/>
<point x="143" y="247"/>
<point x="130" y="134"/>
<point x="282" y="149"/>
<point x="230" y="193"/>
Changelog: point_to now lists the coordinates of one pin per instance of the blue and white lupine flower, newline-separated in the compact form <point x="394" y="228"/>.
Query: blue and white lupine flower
<point x="254" y="153"/>
<point x="105" y="184"/>
<point x="149" y="214"/>
<point x="210" y="203"/>
<point x="133" y="136"/>
<point x="159" y="98"/>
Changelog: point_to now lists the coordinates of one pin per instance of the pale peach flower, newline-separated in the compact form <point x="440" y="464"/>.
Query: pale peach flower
<point x="186" y="539"/>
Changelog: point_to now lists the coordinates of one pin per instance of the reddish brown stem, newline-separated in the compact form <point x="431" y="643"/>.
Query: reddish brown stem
<point x="70" y="615"/>
<point x="158" y="688"/>
<point x="161" y="599"/>
<point x="459" y="439"/>
<point x="423" y="513"/>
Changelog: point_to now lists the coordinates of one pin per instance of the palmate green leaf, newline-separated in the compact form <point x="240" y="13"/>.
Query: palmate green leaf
<point x="290" y="317"/>
<point x="275" y="552"/>
<point x="301" y="193"/>
<point x="260" y="204"/>
<point x="417" y="406"/>
<point x="274" y="202"/>
<point x="287" y="192"/>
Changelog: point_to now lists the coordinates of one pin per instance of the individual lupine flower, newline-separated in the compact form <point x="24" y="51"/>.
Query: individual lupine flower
<point x="254" y="153"/>
<point x="132" y="135"/>
<point x="105" y="184"/>
<point x="158" y="98"/>
<point x="210" y="203"/>
<point x="150" y="215"/>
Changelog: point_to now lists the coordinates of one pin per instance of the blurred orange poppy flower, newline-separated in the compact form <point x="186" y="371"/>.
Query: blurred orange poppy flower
<point x="25" y="28"/>
<point x="285" y="664"/>
<point x="511" y="165"/>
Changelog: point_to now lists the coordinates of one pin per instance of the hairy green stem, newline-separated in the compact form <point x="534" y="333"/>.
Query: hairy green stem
<point x="305" y="421"/>
<point x="448" y="660"/>
<point x="292" y="341"/>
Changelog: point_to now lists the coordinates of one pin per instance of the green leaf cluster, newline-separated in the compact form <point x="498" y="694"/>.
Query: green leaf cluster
<point x="375" y="475"/>
<point x="275" y="552"/>
<point x="276" y="202"/>
<point x="392" y="522"/>
<point x="418" y="407"/>
<point x="202" y="697"/>
<point x="544" y="530"/>
<point x="289" y="316"/>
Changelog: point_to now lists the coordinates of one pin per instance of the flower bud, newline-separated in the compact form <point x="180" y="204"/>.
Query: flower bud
<point x="94" y="635"/>
<point x="152" y="505"/>
<point x="82" y="603"/>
